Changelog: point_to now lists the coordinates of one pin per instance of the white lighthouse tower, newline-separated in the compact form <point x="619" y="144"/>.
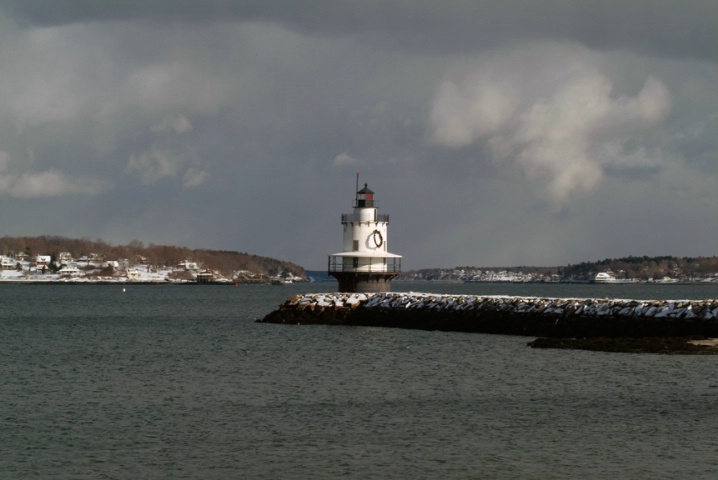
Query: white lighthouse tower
<point x="365" y="264"/>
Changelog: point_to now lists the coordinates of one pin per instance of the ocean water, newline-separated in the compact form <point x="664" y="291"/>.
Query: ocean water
<point x="179" y="382"/>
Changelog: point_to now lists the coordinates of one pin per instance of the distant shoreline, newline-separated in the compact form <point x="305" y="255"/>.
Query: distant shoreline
<point x="110" y="282"/>
<point x="446" y="282"/>
<point x="571" y="282"/>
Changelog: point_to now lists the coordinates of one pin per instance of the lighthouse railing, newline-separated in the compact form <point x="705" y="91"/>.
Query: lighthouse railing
<point x="350" y="217"/>
<point x="337" y="265"/>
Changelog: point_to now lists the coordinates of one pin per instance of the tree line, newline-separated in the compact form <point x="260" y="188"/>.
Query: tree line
<point x="226" y="262"/>
<point x="631" y="267"/>
<point x="645" y="267"/>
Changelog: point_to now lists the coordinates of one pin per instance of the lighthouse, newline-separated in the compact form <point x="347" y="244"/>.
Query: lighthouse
<point x="364" y="264"/>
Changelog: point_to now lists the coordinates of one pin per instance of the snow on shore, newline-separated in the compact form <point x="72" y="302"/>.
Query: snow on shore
<point x="138" y="275"/>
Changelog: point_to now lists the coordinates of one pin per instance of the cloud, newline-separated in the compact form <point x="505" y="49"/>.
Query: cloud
<point x="656" y="26"/>
<point x="4" y="160"/>
<point x="45" y="82"/>
<point x="461" y="114"/>
<point x="194" y="178"/>
<point x="564" y="125"/>
<point x="178" y="125"/>
<point x="249" y="103"/>
<point x="153" y="165"/>
<point x="49" y="183"/>
<point x="175" y="84"/>
<point x="343" y="160"/>
<point x="160" y="163"/>
<point x="72" y="73"/>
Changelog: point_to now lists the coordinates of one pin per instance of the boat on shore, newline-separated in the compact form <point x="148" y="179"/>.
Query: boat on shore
<point x="604" y="277"/>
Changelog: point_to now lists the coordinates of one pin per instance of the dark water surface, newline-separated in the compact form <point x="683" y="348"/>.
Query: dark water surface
<point x="179" y="382"/>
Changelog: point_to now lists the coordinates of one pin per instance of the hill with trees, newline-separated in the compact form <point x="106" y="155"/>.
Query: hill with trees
<point x="224" y="262"/>
<point x="684" y="269"/>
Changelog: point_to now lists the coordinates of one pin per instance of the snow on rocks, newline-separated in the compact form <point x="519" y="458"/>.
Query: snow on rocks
<point x="324" y="300"/>
<point x="694" y="310"/>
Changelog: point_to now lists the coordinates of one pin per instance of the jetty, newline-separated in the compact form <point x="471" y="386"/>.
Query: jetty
<point x="558" y="318"/>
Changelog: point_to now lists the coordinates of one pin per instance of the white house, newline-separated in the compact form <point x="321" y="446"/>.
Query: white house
<point x="7" y="263"/>
<point x="42" y="262"/>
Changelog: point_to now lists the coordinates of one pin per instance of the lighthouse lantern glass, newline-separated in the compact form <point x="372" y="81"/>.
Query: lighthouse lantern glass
<point x="365" y="198"/>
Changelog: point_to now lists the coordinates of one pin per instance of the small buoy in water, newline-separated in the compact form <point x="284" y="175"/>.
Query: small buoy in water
<point x="123" y="289"/>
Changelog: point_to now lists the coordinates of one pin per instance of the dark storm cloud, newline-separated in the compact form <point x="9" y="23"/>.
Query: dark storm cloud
<point x="495" y="133"/>
<point x="666" y="27"/>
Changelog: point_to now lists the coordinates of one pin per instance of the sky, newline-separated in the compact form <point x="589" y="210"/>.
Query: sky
<point x="521" y="132"/>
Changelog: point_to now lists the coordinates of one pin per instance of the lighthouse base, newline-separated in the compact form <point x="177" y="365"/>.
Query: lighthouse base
<point x="357" y="282"/>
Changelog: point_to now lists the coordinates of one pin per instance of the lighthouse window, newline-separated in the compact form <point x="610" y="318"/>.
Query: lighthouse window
<point x="355" y="245"/>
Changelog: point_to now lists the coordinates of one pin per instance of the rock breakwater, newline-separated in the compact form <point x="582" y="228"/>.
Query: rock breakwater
<point x="530" y="316"/>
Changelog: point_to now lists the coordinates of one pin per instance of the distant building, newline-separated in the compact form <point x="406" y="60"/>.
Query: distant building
<point x="186" y="266"/>
<point x="42" y="262"/>
<point x="65" y="258"/>
<point x="7" y="263"/>
<point x="132" y="274"/>
<point x="205" y="276"/>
